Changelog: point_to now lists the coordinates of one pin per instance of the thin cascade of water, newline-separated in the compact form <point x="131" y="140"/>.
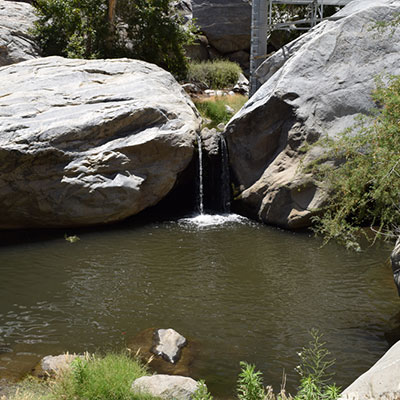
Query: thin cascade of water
<point x="225" y="177"/>
<point x="200" y="198"/>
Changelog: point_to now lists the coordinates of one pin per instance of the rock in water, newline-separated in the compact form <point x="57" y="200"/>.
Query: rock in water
<point x="166" y="386"/>
<point x="89" y="141"/>
<point x="168" y="344"/>
<point x="16" y="42"/>
<point x="316" y="85"/>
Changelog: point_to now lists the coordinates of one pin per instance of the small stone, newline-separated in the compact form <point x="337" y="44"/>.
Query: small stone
<point x="229" y="109"/>
<point x="221" y="126"/>
<point x="166" y="386"/>
<point x="168" y="344"/>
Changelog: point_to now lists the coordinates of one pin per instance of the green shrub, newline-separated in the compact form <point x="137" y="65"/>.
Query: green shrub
<point x="314" y="377"/>
<point x="216" y="110"/>
<point x="93" y="378"/>
<point x="202" y="392"/>
<point x="218" y="74"/>
<point x="100" y="378"/>
<point x="142" y="29"/>
<point x="363" y="184"/>
<point x="250" y="386"/>
<point x="314" y="371"/>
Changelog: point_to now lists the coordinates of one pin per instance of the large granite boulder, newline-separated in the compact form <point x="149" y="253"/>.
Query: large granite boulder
<point x="381" y="381"/>
<point x="226" y="23"/>
<point x="317" y="85"/>
<point x="89" y="141"/>
<point x="16" y="43"/>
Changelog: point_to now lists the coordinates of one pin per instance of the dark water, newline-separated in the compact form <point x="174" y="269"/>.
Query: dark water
<point x="244" y="291"/>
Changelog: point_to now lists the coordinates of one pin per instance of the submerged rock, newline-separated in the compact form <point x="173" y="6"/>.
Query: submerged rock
<point x="89" y="141"/>
<point x="166" y="386"/>
<point x="381" y="381"/>
<point x="16" y="42"/>
<point x="168" y="344"/>
<point x="316" y="85"/>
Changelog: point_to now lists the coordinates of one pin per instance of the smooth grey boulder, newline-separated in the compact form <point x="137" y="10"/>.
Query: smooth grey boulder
<point x="16" y="42"/>
<point x="381" y="381"/>
<point x="166" y="386"/>
<point x="395" y="259"/>
<point x="168" y="344"/>
<point x="316" y="85"/>
<point x="89" y="141"/>
<point x="226" y="23"/>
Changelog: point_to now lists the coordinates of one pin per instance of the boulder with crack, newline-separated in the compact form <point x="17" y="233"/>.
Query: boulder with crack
<point x="89" y="141"/>
<point x="316" y="85"/>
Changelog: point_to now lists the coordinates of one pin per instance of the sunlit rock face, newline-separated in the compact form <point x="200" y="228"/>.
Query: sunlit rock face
<point x="16" y="42"/>
<point x="316" y="85"/>
<point x="89" y="141"/>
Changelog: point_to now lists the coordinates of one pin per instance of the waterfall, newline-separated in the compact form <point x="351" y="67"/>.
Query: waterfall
<point x="213" y="185"/>
<point x="200" y="180"/>
<point x="225" y="177"/>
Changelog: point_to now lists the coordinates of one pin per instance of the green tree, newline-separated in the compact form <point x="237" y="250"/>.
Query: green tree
<point x="148" y="30"/>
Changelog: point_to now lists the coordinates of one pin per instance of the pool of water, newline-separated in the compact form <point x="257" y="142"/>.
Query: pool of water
<point x="241" y="290"/>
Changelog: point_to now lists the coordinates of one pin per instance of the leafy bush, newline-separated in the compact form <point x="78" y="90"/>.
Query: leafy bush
<point x="314" y="377"/>
<point x="202" y="392"/>
<point x="314" y="371"/>
<point x="363" y="184"/>
<point x="217" y="74"/>
<point x="93" y="378"/>
<point x="142" y="29"/>
<point x="250" y="386"/>
<point x="215" y="108"/>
